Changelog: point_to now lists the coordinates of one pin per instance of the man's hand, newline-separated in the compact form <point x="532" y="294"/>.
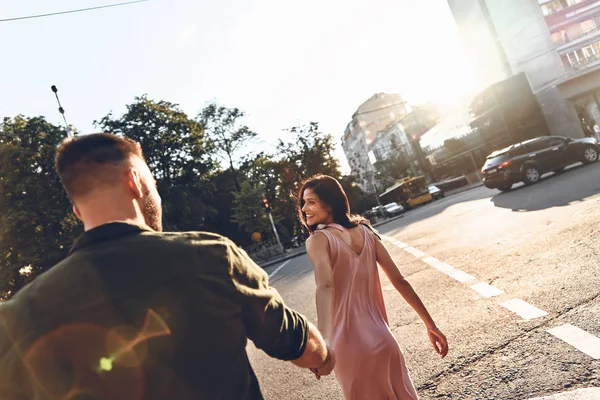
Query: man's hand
<point x="327" y="366"/>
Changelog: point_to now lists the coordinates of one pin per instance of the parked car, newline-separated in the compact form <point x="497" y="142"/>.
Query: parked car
<point x="393" y="209"/>
<point x="378" y="211"/>
<point x="436" y="192"/>
<point x="528" y="161"/>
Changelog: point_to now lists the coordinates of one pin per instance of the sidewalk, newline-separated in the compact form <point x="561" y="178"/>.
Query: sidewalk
<point x="288" y="255"/>
<point x="579" y="394"/>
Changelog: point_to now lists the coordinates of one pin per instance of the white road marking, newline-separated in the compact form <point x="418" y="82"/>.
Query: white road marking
<point x="399" y="244"/>
<point x="415" y="252"/>
<point x="486" y="290"/>
<point x="523" y="309"/>
<point x="578" y="338"/>
<point x="440" y="266"/>
<point x="578" y="394"/>
<point x="395" y="242"/>
<point x="461" y="276"/>
<point x="278" y="268"/>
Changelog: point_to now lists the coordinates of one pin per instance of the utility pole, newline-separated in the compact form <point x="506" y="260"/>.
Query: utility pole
<point x="476" y="167"/>
<point x="61" y="110"/>
<point x="268" y="209"/>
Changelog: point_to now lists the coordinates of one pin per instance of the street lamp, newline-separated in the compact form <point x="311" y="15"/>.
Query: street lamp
<point x="61" y="110"/>
<point x="268" y="211"/>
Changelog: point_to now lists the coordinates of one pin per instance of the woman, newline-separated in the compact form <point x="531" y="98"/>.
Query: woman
<point x="345" y="251"/>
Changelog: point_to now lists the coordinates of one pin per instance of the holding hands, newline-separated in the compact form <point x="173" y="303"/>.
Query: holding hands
<point x="327" y="367"/>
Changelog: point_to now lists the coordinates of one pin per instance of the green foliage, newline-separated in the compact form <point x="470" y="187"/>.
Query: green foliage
<point x="37" y="226"/>
<point x="307" y="152"/>
<point x="177" y="152"/>
<point x="393" y="168"/>
<point x="249" y="211"/>
<point x="224" y="130"/>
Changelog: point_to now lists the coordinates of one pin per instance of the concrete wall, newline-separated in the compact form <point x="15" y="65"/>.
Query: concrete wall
<point x="479" y="41"/>
<point x="527" y="44"/>
<point x="583" y="84"/>
<point x="559" y="113"/>
<point x="526" y="40"/>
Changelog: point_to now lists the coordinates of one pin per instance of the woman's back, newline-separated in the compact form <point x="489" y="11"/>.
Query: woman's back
<point x="358" y="300"/>
<point x="369" y="361"/>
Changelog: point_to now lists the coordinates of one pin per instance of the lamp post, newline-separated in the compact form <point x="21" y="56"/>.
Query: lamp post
<point x="268" y="210"/>
<point x="61" y="110"/>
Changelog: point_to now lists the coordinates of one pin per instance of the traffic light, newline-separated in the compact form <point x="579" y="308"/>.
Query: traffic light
<point x="266" y="204"/>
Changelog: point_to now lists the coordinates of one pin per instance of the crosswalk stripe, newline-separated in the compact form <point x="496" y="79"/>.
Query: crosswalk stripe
<point x="486" y="290"/>
<point x="523" y="309"/>
<point x="578" y="338"/>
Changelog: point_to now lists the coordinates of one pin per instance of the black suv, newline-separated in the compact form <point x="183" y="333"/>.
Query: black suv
<point x="528" y="161"/>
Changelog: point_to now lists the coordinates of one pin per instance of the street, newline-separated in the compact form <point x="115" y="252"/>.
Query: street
<point x="512" y="279"/>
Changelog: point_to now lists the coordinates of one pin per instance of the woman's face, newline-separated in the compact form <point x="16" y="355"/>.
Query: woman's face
<point x="315" y="210"/>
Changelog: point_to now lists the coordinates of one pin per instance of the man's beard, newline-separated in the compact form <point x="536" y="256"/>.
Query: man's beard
<point x="152" y="211"/>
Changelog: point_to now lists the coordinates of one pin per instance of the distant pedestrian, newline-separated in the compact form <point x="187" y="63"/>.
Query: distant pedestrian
<point x="597" y="131"/>
<point x="133" y="313"/>
<point x="345" y="251"/>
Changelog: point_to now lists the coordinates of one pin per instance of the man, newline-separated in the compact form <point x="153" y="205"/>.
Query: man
<point x="133" y="313"/>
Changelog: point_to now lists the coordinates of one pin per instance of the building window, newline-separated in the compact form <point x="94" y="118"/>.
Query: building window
<point x="582" y="56"/>
<point x="576" y="31"/>
<point x="552" y="6"/>
<point x="556" y="5"/>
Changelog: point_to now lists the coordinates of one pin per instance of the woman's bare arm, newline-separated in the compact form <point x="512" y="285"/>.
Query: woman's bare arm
<point x="385" y="261"/>
<point x="317" y="247"/>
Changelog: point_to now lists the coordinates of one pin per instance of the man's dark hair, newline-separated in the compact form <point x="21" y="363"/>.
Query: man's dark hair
<point x="82" y="162"/>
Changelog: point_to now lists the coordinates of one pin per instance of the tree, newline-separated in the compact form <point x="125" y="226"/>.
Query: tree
<point x="222" y="125"/>
<point x="177" y="152"/>
<point x="249" y="211"/>
<point x="359" y="201"/>
<point x="454" y="146"/>
<point x="37" y="226"/>
<point x="393" y="168"/>
<point x="308" y="152"/>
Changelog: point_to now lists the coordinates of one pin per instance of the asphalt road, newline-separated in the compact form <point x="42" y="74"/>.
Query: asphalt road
<point x="534" y="251"/>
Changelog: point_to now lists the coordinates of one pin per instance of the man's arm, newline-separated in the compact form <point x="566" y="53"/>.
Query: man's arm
<point x="273" y="327"/>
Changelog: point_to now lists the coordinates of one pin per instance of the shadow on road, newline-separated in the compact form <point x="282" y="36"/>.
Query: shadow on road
<point x="554" y="190"/>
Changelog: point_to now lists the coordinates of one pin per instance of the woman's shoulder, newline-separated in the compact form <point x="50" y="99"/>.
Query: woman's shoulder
<point x="318" y="236"/>
<point x="371" y="229"/>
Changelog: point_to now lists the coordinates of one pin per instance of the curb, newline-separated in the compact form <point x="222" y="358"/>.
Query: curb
<point x="280" y="260"/>
<point x="387" y="221"/>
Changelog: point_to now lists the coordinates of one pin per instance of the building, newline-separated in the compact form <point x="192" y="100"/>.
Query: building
<point x="372" y="129"/>
<point x="555" y="43"/>
<point x="390" y="142"/>
<point x="504" y="113"/>
<point x="507" y="112"/>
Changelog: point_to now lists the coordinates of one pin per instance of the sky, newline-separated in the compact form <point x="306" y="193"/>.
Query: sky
<point x="282" y="62"/>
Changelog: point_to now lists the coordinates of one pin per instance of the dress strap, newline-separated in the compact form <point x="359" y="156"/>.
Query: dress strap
<point x="373" y="230"/>
<point x="324" y="226"/>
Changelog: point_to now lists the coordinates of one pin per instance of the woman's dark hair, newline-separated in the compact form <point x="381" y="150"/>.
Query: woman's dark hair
<point x="332" y="194"/>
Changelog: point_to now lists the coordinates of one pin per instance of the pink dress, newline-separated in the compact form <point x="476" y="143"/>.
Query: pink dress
<point x="370" y="365"/>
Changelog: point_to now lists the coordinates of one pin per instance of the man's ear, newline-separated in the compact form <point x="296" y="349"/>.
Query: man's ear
<point x="134" y="181"/>
<point x="77" y="212"/>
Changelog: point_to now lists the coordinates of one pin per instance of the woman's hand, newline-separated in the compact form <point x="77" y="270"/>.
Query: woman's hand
<point x="438" y="340"/>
